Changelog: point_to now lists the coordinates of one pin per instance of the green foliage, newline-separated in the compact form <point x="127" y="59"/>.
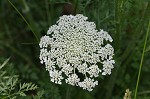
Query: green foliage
<point x="10" y="86"/>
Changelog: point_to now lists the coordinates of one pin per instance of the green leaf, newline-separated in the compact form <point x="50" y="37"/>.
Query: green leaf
<point x="5" y="62"/>
<point x="28" y="86"/>
<point x="22" y="94"/>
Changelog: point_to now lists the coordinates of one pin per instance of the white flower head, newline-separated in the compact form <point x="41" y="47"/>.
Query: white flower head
<point x="72" y="49"/>
<point x="93" y="70"/>
<point x="73" y="79"/>
<point x="67" y="69"/>
<point x="56" y="76"/>
<point x="88" y="84"/>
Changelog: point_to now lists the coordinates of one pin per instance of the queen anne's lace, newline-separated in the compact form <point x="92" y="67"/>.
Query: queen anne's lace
<point x="73" y="47"/>
<point x="88" y="84"/>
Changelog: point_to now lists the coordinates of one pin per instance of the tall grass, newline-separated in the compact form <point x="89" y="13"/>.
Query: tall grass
<point x="37" y="38"/>
<point x="142" y="58"/>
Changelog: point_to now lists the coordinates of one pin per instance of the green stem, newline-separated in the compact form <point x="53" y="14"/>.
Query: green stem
<point x="52" y="13"/>
<point x="142" y="58"/>
<point x="98" y="10"/>
<point x="48" y="11"/>
<point x="76" y="5"/>
<point x="29" y="17"/>
<point x="68" y="92"/>
<point x="24" y="20"/>
<point x="117" y="20"/>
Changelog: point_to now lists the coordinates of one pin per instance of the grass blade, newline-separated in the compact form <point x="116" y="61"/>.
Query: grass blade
<point x="142" y="58"/>
<point x="24" y="20"/>
<point x="5" y="62"/>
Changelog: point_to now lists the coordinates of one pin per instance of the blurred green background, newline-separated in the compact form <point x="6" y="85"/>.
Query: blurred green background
<point x="125" y="20"/>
